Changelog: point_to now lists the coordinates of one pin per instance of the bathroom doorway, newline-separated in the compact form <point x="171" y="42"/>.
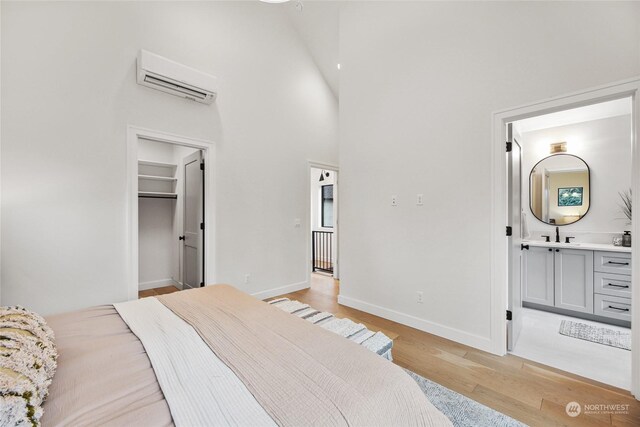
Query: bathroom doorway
<point x="569" y="179"/>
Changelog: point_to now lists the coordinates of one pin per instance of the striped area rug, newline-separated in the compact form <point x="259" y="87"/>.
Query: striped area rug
<point x="356" y="332"/>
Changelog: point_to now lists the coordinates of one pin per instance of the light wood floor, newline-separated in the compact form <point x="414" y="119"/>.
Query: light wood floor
<point x="530" y="392"/>
<point x="157" y="291"/>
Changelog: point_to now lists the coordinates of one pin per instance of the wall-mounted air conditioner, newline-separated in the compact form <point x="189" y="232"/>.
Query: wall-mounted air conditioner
<point x="171" y="77"/>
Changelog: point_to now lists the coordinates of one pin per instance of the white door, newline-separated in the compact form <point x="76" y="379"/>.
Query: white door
<point x="514" y="190"/>
<point x="193" y="243"/>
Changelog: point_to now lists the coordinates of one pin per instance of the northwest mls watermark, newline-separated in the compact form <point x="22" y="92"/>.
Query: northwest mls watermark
<point x="574" y="409"/>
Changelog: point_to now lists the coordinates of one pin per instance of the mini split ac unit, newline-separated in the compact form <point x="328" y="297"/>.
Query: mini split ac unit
<point x="166" y="75"/>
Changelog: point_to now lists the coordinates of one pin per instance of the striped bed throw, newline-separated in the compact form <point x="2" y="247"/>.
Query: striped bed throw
<point x="375" y="341"/>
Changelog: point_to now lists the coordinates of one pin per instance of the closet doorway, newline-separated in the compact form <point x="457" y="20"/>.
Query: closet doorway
<point x="170" y="195"/>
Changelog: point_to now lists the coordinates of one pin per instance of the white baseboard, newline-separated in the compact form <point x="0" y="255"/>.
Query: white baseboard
<point x="447" y="332"/>
<point x="269" y="293"/>
<point x="143" y="286"/>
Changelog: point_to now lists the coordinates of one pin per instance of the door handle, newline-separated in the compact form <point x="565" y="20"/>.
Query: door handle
<point x="181" y="238"/>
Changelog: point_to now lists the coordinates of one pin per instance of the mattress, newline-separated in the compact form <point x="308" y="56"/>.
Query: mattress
<point x="104" y="376"/>
<point x="297" y="374"/>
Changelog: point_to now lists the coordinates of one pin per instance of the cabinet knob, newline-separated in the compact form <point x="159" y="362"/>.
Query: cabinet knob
<point x="557" y="250"/>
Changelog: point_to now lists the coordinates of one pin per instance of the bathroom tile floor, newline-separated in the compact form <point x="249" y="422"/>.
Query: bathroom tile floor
<point x="541" y="342"/>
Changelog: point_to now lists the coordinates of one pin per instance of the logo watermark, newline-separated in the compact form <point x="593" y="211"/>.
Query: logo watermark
<point x="573" y="409"/>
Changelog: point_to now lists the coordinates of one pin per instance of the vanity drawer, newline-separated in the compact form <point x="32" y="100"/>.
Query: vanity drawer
<point x="610" y="306"/>
<point x="612" y="262"/>
<point x="612" y="284"/>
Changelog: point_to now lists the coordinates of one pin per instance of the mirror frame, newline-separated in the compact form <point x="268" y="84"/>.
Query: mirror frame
<point x="530" y="200"/>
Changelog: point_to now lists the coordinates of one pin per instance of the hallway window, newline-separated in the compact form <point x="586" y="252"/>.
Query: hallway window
<point x="327" y="206"/>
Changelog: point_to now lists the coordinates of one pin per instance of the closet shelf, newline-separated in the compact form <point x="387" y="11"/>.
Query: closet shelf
<point x="157" y="178"/>
<point x="156" y="195"/>
<point x="157" y="164"/>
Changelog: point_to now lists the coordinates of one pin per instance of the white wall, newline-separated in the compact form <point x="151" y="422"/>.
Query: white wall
<point x="605" y="145"/>
<point x="68" y="94"/>
<point x="156" y="218"/>
<point x="418" y="84"/>
<point x="155" y="243"/>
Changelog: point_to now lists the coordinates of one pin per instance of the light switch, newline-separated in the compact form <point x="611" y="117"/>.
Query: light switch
<point x="419" y="200"/>
<point x="297" y="222"/>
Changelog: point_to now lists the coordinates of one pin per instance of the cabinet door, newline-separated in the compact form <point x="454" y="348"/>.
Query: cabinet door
<point x="574" y="280"/>
<point x="537" y="272"/>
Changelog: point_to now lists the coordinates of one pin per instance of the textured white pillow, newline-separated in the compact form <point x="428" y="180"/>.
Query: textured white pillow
<point x="27" y="364"/>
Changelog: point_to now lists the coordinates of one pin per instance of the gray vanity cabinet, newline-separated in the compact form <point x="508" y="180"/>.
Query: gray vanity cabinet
<point x="574" y="280"/>
<point x="612" y="275"/>
<point x="587" y="283"/>
<point x="538" y="274"/>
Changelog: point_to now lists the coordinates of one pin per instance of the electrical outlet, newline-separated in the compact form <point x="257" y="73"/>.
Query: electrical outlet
<point x="394" y="200"/>
<point x="419" y="200"/>
<point x="297" y="223"/>
<point x="420" y="297"/>
<point x="247" y="278"/>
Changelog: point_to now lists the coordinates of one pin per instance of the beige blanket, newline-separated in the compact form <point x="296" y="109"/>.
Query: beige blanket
<point x="104" y="377"/>
<point x="300" y="374"/>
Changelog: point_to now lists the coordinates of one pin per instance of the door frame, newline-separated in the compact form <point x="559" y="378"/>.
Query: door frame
<point x="499" y="268"/>
<point x="134" y="134"/>
<point x="336" y="225"/>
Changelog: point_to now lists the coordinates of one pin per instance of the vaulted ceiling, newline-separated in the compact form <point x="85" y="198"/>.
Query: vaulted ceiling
<point x="317" y="23"/>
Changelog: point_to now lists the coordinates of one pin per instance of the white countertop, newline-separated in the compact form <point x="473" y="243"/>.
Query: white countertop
<point x="586" y="246"/>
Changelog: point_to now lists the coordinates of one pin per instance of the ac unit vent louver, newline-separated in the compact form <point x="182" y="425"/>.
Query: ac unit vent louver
<point x="168" y="76"/>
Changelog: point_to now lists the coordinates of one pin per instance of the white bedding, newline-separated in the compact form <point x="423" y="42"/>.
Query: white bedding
<point x="203" y="391"/>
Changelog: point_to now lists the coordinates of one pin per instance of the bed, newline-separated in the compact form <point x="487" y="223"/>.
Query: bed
<point x="217" y="356"/>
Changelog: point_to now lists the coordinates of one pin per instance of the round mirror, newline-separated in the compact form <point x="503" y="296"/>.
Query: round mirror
<point x="559" y="189"/>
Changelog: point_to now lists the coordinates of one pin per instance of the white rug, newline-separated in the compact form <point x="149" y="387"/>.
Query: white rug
<point x="599" y="335"/>
<point x="375" y="341"/>
<point x="462" y="411"/>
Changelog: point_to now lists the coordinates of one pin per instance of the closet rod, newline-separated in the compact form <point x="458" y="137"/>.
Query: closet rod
<point x="158" y="196"/>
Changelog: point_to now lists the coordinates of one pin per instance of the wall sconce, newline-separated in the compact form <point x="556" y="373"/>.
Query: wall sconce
<point x="322" y="175"/>
<point x="558" y="147"/>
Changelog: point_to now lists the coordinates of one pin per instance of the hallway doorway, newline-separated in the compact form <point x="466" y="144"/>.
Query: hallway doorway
<point x="323" y="209"/>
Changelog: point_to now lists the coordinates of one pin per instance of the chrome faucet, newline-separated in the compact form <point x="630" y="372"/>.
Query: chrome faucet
<point x="557" y="234"/>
